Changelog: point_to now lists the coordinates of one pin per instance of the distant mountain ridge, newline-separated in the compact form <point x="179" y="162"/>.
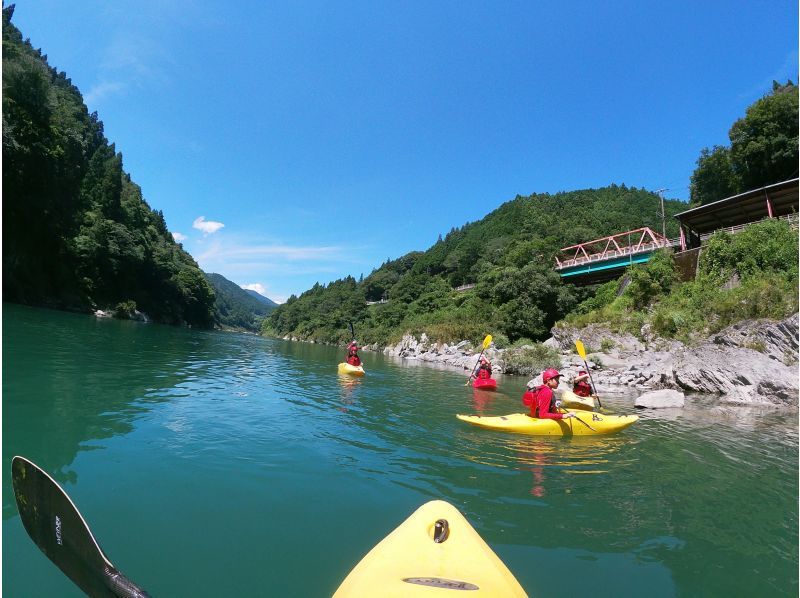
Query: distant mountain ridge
<point x="236" y="307"/>
<point x="261" y="298"/>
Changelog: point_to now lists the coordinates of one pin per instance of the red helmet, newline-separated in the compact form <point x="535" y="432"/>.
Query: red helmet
<point x="549" y="374"/>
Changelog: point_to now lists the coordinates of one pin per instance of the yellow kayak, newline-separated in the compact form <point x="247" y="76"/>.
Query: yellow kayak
<point x="353" y="370"/>
<point x="410" y="561"/>
<point x="569" y="400"/>
<point x="522" y="423"/>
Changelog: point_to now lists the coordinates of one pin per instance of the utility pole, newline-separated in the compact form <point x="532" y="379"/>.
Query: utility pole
<point x="663" y="215"/>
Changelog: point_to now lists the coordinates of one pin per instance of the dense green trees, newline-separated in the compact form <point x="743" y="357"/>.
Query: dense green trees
<point x="763" y="150"/>
<point x="77" y="232"/>
<point x="508" y="256"/>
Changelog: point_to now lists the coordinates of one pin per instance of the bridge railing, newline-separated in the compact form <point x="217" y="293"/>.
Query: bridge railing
<point x="614" y="246"/>
<point x="791" y="218"/>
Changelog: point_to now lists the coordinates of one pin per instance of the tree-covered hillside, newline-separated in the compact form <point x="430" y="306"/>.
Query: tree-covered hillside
<point x="236" y="307"/>
<point x="508" y="256"/>
<point x="77" y="232"/>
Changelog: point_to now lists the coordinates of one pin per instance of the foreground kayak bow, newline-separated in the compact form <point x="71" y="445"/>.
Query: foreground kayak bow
<point x="434" y="550"/>
<point x="56" y="526"/>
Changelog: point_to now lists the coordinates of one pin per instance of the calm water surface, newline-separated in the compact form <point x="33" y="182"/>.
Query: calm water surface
<point x="219" y="464"/>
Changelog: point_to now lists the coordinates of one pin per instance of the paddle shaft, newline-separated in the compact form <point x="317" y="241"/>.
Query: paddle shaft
<point x="594" y="388"/>
<point x="580" y="420"/>
<point x="582" y="352"/>
<point x="486" y="342"/>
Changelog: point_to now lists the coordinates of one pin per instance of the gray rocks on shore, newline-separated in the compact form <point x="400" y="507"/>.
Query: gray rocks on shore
<point x="753" y="362"/>
<point x="660" y="399"/>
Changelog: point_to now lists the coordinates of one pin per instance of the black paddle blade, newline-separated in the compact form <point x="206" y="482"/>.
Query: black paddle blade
<point x="58" y="529"/>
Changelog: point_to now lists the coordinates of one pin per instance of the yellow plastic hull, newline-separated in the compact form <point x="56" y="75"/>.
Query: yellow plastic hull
<point x="569" y="400"/>
<point x="409" y="563"/>
<point x="521" y="423"/>
<point x="353" y="370"/>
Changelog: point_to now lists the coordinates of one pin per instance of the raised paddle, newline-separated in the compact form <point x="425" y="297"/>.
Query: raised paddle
<point x="582" y="352"/>
<point x="58" y="529"/>
<point x="486" y="342"/>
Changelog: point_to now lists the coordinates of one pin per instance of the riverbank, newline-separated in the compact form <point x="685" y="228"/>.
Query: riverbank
<point x="752" y="362"/>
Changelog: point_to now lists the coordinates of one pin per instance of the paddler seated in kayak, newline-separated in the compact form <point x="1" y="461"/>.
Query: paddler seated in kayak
<point x="580" y="384"/>
<point x="352" y="354"/>
<point x="484" y="369"/>
<point x="542" y="400"/>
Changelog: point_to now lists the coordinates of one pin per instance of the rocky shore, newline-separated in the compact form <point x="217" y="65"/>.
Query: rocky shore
<point x="752" y="362"/>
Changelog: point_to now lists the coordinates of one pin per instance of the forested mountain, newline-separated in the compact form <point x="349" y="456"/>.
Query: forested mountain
<point x="236" y="307"/>
<point x="508" y="256"/>
<point x="77" y="232"/>
<point x="259" y="297"/>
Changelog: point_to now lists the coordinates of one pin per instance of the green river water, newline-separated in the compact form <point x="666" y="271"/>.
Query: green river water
<point x="223" y="464"/>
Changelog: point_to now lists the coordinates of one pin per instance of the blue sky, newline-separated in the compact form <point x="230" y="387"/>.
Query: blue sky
<point x="295" y="142"/>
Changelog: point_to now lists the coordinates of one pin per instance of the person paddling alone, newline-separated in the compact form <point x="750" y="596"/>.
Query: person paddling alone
<point x="484" y="369"/>
<point x="352" y="354"/>
<point x="580" y="384"/>
<point x="542" y="400"/>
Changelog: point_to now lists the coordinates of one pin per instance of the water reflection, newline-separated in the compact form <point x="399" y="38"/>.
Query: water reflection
<point x="348" y="386"/>
<point x="482" y="400"/>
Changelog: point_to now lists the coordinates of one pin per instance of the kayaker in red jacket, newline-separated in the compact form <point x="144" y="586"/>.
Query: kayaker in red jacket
<point x="581" y="386"/>
<point x="541" y="399"/>
<point x="484" y="369"/>
<point x="352" y="354"/>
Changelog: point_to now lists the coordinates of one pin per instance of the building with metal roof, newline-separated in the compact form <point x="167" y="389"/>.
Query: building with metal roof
<point x="774" y="201"/>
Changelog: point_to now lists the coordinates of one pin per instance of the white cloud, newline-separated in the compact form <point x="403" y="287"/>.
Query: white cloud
<point x="97" y="93"/>
<point x="179" y="237"/>
<point x="207" y="226"/>
<point x="262" y="290"/>
<point x="257" y="287"/>
<point x="280" y="252"/>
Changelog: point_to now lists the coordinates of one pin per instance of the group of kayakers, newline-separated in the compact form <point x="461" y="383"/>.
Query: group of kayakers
<point x="539" y="397"/>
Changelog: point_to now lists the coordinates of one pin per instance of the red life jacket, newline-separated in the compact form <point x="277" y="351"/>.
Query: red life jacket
<point x="531" y="399"/>
<point x="354" y="359"/>
<point x="582" y="388"/>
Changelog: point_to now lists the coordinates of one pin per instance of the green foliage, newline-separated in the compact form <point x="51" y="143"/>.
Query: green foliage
<point x="714" y="177"/>
<point x="604" y="295"/>
<point x="531" y="359"/>
<point x="125" y="309"/>
<point x="606" y="345"/>
<point x="77" y="232"/>
<point x="651" y="280"/>
<point x="763" y="150"/>
<point x="768" y="246"/>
